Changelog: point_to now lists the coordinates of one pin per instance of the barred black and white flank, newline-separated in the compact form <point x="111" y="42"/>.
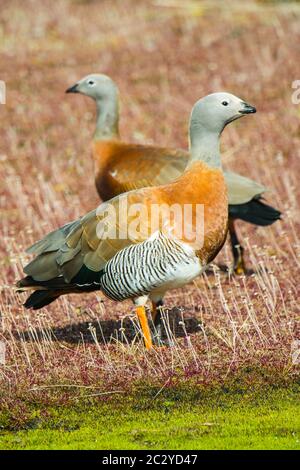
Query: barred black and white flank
<point x="156" y="264"/>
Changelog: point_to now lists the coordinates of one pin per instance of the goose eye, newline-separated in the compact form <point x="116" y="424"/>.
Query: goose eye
<point x="91" y="82"/>
<point x="225" y="103"/>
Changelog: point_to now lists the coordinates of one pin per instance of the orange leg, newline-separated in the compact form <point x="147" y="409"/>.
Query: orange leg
<point x="141" y="313"/>
<point x="154" y="311"/>
<point x="237" y="250"/>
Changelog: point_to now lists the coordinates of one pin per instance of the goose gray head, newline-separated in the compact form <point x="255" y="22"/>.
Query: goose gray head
<point x="97" y="86"/>
<point x="215" y="111"/>
<point x="104" y="91"/>
<point x="208" y="118"/>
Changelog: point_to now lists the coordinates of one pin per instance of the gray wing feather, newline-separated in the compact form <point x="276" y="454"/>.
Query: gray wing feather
<point x="54" y="240"/>
<point x="242" y="189"/>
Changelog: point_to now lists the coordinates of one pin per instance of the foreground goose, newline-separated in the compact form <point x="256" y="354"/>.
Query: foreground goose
<point x="127" y="258"/>
<point x="120" y="166"/>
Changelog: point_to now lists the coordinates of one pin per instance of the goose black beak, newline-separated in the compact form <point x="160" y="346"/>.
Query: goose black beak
<point x="247" y="109"/>
<point x="73" y="89"/>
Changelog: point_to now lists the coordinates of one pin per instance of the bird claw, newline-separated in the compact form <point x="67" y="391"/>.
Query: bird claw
<point x="241" y="270"/>
<point x="157" y="336"/>
<point x="158" y="340"/>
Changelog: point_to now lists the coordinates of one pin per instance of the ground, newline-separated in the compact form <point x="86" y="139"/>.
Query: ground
<point x="163" y="55"/>
<point x="174" y="420"/>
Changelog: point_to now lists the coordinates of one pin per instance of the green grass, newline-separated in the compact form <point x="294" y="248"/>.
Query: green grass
<point x="176" y="419"/>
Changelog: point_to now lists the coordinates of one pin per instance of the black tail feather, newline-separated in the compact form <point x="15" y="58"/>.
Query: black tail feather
<point x="255" y="212"/>
<point x="55" y="283"/>
<point x="40" y="298"/>
<point x="48" y="291"/>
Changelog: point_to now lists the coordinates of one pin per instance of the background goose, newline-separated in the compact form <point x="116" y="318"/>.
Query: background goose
<point x="120" y="166"/>
<point x="148" y="262"/>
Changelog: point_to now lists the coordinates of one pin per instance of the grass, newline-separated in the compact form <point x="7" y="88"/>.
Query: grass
<point x="223" y="420"/>
<point x="163" y="56"/>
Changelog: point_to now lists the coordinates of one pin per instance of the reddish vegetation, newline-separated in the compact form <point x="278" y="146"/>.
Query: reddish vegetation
<point x="163" y="59"/>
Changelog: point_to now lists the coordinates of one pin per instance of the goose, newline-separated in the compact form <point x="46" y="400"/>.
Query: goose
<point x="107" y="250"/>
<point x="122" y="166"/>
